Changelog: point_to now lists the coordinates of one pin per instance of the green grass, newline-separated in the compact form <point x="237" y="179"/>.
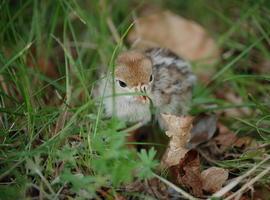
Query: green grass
<point x="55" y="140"/>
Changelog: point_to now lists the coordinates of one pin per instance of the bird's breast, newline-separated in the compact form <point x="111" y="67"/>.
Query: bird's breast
<point x="133" y="111"/>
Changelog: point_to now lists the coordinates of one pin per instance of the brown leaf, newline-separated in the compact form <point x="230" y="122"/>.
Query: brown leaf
<point x="225" y="138"/>
<point x="179" y="133"/>
<point x="186" y="38"/>
<point x="204" y="128"/>
<point x="229" y="95"/>
<point x="189" y="173"/>
<point x="213" y="178"/>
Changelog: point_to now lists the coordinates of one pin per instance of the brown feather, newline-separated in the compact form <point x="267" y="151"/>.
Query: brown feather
<point x="133" y="68"/>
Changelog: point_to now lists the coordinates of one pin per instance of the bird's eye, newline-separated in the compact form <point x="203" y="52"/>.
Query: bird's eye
<point x="122" y="84"/>
<point x="151" y="78"/>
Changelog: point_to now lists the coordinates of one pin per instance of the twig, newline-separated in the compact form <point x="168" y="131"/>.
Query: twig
<point x="248" y="184"/>
<point x="177" y="189"/>
<point x="232" y="184"/>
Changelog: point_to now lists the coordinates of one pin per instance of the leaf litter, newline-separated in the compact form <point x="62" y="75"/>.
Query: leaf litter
<point x="172" y="31"/>
<point x="190" y="136"/>
<point x="213" y="178"/>
<point x="185" y="163"/>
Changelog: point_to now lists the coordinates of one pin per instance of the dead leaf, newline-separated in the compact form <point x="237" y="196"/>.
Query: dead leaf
<point x="189" y="173"/>
<point x="230" y="96"/>
<point x="213" y="178"/>
<point x="204" y="128"/>
<point x="186" y="38"/>
<point x="225" y="138"/>
<point x="179" y="133"/>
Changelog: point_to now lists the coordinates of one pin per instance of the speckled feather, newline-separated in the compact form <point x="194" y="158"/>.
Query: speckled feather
<point x="170" y="90"/>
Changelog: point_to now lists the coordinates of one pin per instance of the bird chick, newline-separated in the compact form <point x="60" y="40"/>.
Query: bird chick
<point x="154" y="78"/>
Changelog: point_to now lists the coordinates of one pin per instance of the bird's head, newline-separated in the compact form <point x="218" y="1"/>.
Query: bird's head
<point x="133" y="74"/>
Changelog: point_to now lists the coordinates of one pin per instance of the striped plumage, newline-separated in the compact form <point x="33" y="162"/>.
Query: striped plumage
<point x="166" y="79"/>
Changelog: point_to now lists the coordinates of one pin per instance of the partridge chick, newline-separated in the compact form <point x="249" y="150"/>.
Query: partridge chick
<point x="163" y="80"/>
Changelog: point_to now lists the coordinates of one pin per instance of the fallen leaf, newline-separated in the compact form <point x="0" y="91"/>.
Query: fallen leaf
<point x="179" y="132"/>
<point x="186" y="38"/>
<point x="213" y="178"/>
<point x="233" y="98"/>
<point x="189" y="173"/>
<point x="225" y="138"/>
<point x="204" y="128"/>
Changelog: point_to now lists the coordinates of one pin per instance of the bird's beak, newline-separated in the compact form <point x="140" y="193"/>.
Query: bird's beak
<point x="141" y="98"/>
